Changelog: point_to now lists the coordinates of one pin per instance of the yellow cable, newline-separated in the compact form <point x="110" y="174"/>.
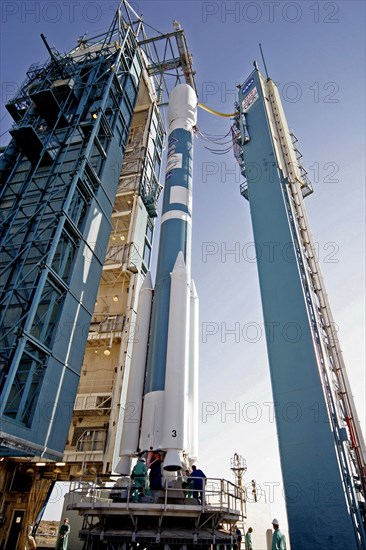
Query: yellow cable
<point x="216" y="112"/>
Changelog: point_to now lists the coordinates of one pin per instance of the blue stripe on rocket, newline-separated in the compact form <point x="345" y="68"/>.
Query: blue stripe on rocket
<point x="174" y="235"/>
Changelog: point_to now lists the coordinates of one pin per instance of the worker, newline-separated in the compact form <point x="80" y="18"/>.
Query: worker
<point x="187" y="484"/>
<point x="197" y="477"/>
<point x="278" y="538"/>
<point x="150" y="456"/>
<point x="63" y="535"/>
<point x="248" y="539"/>
<point x="155" y="470"/>
<point x="238" y="538"/>
<point x="138" y="475"/>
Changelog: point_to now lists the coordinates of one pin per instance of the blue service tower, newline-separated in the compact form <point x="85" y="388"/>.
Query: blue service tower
<point x="321" y="445"/>
<point x="59" y="177"/>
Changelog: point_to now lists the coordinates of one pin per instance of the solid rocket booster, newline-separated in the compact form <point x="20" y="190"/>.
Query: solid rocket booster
<point x="169" y="409"/>
<point x="193" y="375"/>
<point x="131" y="424"/>
<point x="174" y="437"/>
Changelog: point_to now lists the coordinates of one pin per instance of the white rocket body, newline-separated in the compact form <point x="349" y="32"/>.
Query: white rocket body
<point x="168" y="387"/>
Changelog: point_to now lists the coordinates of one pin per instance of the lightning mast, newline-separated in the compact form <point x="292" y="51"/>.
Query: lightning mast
<point x="238" y="466"/>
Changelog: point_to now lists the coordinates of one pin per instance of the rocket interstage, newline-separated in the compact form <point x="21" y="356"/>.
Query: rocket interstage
<point x="163" y="380"/>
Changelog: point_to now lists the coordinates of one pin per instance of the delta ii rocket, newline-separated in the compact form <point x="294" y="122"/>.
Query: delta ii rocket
<point x="163" y="380"/>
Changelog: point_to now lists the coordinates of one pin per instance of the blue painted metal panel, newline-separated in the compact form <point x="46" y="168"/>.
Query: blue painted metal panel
<point x="316" y="506"/>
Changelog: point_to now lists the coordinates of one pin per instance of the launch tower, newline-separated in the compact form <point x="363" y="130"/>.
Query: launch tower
<point x="322" y="449"/>
<point x="80" y="185"/>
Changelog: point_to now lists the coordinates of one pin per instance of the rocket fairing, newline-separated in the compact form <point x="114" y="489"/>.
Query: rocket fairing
<point x="165" y="392"/>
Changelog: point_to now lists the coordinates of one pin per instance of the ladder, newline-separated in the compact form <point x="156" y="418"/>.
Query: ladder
<point x="345" y="424"/>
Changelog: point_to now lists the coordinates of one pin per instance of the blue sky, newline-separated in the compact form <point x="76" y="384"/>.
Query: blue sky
<point x="315" y="51"/>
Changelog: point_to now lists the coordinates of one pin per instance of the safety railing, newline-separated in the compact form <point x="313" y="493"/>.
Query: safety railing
<point x="106" y="323"/>
<point x="127" y="253"/>
<point x="216" y="494"/>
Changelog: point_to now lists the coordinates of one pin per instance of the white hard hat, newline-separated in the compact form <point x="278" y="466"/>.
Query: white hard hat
<point x="275" y="522"/>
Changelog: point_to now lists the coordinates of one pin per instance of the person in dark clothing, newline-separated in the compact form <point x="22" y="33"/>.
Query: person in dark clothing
<point x="187" y="485"/>
<point x="197" y="478"/>
<point x="155" y="471"/>
<point x="238" y="537"/>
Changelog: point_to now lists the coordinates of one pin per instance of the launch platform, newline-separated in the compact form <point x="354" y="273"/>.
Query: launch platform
<point x="168" y="518"/>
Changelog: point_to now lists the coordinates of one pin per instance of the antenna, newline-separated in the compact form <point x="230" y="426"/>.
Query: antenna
<point x="264" y="63"/>
<point x="52" y="54"/>
<point x="238" y="466"/>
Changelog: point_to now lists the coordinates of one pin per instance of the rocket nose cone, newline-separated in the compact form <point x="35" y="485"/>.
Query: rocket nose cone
<point x="179" y="262"/>
<point x="182" y="111"/>
<point x="193" y="290"/>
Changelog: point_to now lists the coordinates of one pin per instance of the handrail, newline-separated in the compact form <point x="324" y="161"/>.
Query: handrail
<point x="218" y="493"/>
